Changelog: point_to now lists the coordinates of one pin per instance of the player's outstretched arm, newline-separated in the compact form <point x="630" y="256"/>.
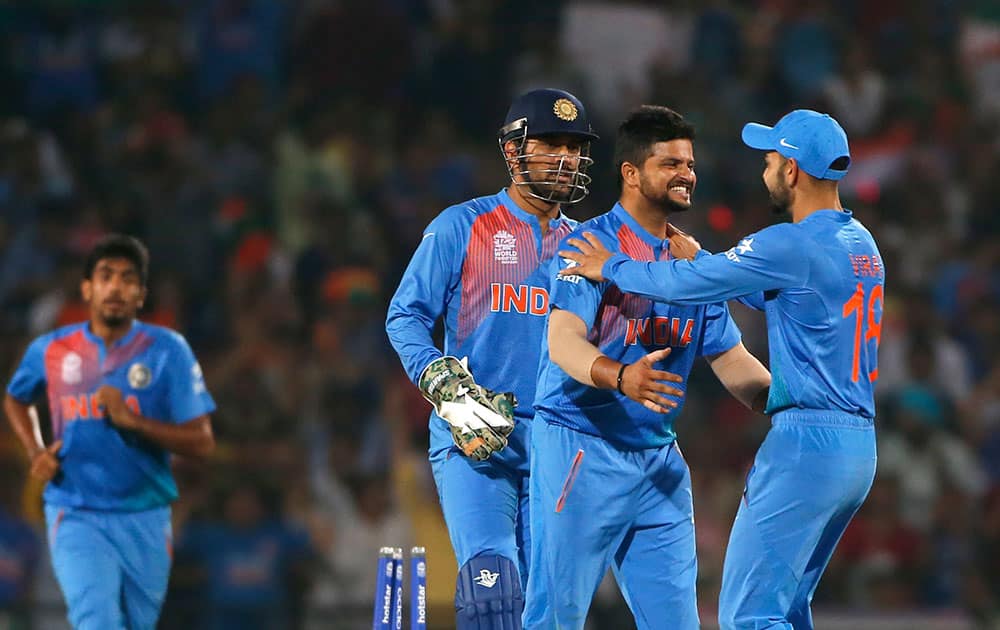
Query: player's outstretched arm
<point x="743" y="376"/>
<point x="193" y="437"/>
<point x="640" y="381"/>
<point x="591" y="254"/>
<point x="770" y="259"/>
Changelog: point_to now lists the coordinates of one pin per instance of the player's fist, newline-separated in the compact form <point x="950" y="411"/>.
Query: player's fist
<point x="44" y="463"/>
<point x="114" y="405"/>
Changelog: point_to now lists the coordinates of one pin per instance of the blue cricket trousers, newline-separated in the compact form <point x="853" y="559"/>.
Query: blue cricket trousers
<point x="811" y="474"/>
<point x="112" y="567"/>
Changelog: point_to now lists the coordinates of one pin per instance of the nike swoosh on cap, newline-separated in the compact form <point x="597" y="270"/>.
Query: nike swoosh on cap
<point x="785" y="143"/>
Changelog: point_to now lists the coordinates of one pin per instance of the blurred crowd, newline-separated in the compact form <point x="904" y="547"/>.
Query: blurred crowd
<point x="281" y="158"/>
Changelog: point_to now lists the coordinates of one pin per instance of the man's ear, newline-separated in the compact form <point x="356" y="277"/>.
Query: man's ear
<point x="791" y="172"/>
<point x="510" y="149"/>
<point x="630" y="174"/>
<point x="86" y="290"/>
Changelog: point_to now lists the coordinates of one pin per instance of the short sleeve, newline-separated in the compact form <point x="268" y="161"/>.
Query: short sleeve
<point x="575" y="294"/>
<point x="187" y="394"/>
<point x="28" y="381"/>
<point x="721" y="332"/>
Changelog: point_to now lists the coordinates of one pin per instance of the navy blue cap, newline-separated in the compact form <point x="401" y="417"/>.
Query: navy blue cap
<point x="815" y="140"/>
<point x="547" y="112"/>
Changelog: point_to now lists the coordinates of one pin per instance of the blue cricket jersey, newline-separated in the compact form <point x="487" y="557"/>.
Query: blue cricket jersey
<point x="102" y="467"/>
<point x="821" y="283"/>
<point x="626" y="328"/>
<point x="480" y="264"/>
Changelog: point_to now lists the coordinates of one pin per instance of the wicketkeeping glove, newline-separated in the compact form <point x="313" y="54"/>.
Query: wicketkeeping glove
<point x="480" y="419"/>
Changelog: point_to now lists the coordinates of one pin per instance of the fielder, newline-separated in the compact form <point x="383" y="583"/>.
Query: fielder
<point x="122" y="396"/>
<point x="821" y="282"/>
<point x="609" y="485"/>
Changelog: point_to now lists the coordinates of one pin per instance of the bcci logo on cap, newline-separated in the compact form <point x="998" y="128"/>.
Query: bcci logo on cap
<point x="564" y="109"/>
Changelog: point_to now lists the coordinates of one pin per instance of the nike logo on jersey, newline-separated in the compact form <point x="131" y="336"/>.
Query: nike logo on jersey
<point x="785" y="143"/>
<point x="428" y="234"/>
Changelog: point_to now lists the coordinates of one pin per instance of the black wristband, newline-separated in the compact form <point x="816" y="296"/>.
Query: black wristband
<point x="621" y="371"/>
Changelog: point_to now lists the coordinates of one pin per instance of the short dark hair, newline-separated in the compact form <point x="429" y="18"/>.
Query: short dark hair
<point x="643" y="128"/>
<point x="118" y="246"/>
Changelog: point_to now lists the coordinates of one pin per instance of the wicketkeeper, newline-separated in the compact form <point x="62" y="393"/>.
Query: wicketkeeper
<point x="481" y="267"/>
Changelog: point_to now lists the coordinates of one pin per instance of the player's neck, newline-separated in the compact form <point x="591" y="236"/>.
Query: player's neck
<point x="653" y="218"/>
<point x="109" y="334"/>
<point x="545" y="211"/>
<point x="809" y="202"/>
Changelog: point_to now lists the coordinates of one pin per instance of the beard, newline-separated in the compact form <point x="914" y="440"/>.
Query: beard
<point x="661" y="197"/>
<point x="781" y="200"/>
<point x="115" y="321"/>
<point x="674" y="206"/>
<point x="553" y="190"/>
<point x="116" y="318"/>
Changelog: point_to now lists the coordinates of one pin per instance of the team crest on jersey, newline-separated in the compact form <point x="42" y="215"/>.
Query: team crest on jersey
<point x="72" y="372"/>
<point x="505" y="248"/>
<point x="139" y="376"/>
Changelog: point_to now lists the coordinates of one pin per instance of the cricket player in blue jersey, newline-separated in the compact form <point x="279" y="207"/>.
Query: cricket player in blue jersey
<point x="481" y="266"/>
<point x="122" y="395"/>
<point x="609" y="486"/>
<point x="820" y="281"/>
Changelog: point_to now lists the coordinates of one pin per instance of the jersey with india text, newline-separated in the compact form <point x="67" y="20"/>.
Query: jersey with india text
<point x="480" y="265"/>
<point x="821" y="282"/>
<point x="103" y="467"/>
<point x="626" y="328"/>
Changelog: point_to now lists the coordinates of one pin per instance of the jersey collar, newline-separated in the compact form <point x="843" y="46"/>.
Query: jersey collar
<point x="626" y="218"/>
<point x="841" y="216"/>
<point x="132" y="331"/>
